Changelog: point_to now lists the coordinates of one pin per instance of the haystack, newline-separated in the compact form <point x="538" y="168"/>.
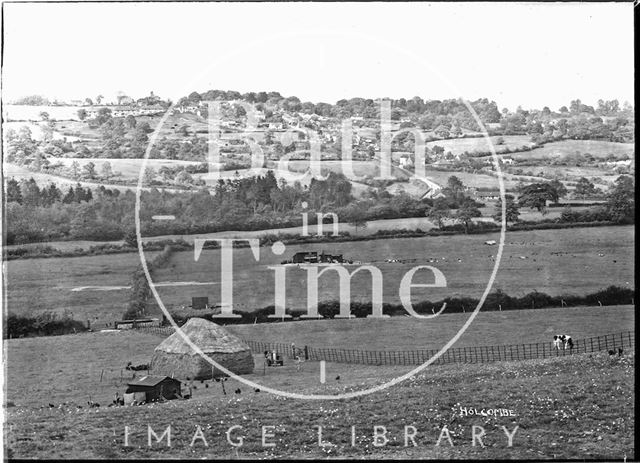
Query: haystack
<point x="175" y="358"/>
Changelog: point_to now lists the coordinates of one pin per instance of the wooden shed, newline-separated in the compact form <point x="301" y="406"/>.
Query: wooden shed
<point x="152" y="388"/>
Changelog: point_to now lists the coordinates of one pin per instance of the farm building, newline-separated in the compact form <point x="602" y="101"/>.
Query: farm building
<point x="174" y="357"/>
<point x="312" y="257"/>
<point x="128" y="324"/>
<point x="488" y="195"/>
<point x="152" y="388"/>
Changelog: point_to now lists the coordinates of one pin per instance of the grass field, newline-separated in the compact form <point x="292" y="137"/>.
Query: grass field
<point x="360" y="168"/>
<point x="127" y="169"/>
<point x="570" y="407"/>
<point x="598" y="149"/>
<point x="19" y="173"/>
<point x="480" y="144"/>
<point x="557" y="262"/>
<point x="406" y="333"/>
<point x="60" y="369"/>
<point x="573" y="173"/>
<point x="46" y="284"/>
<point x="477" y="180"/>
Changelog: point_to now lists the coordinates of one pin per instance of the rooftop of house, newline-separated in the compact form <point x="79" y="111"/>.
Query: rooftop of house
<point x="149" y="380"/>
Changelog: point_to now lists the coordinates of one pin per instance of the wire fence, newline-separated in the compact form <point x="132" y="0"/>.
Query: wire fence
<point x="476" y="354"/>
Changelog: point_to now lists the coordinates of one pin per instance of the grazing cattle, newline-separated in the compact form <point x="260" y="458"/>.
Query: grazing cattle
<point x="612" y="352"/>
<point x="238" y="391"/>
<point x="562" y="340"/>
<point x="619" y="351"/>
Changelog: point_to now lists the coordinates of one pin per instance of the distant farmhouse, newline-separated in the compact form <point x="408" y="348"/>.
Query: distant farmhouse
<point x="492" y="195"/>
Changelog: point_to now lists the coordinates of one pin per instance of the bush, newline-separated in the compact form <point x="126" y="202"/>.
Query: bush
<point x="43" y="324"/>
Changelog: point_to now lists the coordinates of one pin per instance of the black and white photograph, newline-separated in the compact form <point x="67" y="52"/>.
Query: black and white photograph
<point x="318" y="230"/>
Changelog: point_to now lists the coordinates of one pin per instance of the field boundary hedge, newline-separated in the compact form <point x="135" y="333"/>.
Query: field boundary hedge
<point x="179" y="244"/>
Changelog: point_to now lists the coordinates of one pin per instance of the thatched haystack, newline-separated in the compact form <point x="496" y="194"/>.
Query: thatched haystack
<point x="175" y="358"/>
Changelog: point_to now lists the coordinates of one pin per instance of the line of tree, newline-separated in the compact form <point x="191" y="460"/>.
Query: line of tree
<point x="140" y="290"/>
<point x="253" y="203"/>
<point x="495" y="301"/>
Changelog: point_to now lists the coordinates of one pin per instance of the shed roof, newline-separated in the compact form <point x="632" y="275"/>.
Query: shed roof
<point x="149" y="380"/>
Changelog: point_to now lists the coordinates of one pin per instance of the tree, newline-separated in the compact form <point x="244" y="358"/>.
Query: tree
<point x="75" y="169"/>
<point x="44" y="115"/>
<point x="148" y="176"/>
<point x="104" y="114"/>
<point x="140" y="136"/>
<point x="145" y="127"/>
<point x="184" y="178"/>
<point x="82" y="114"/>
<point x="99" y="99"/>
<point x="559" y="187"/>
<point x="89" y="170"/>
<point x="130" y="122"/>
<point x="357" y="217"/>
<point x="512" y="211"/>
<point x="584" y="187"/>
<point x="455" y="185"/>
<point x="13" y="191"/>
<point x="439" y="212"/>
<point x="621" y="200"/>
<point x="106" y="170"/>
<point x="466" y="213"/>
<point x="88" y="101"/>
<point x="50" y="195"/>
<point x="536" y="195"/>
<point x="131" y="238"/>
<point x="69" y="197"/>
<point x="30" y="191"/>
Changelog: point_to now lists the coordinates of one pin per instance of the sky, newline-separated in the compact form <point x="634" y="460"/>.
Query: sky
<point x="526" y="54"/>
